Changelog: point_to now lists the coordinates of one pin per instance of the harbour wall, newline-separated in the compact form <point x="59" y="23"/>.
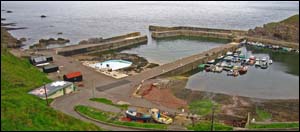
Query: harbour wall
<point x="175" y="33"/>
<point x="101" y="47"/>
<point x="161" y="28"/>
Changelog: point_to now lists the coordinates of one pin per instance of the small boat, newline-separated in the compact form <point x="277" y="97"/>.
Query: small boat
<point x="264" y="65"/>
<point x="134" y="115"/>
<point x="252" y="57"/>
<point x="243" y="70"/>
<point x="217" y="69"/>
<point x="159" y="117"/>
<point x="235" y="59"/>
<point x="202" y="66"/>
<point x="235" y="55"/>
<point x="228" y="58"/>
<point x="242" y="56"/>
<point x="239" y="50"/>
<point x="229" y="53"/>
<point x="211" y="62"/>
<point x="220" y="57"/>
<point x="270" y="62"/>
<point x="257" y="63"/>
<point x="233" y="73"/>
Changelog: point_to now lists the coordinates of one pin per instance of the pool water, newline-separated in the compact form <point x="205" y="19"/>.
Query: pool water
<point x="113" y="64"/>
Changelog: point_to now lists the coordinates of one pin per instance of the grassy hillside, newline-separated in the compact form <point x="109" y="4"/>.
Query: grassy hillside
<point x="21" y="111"/>
<point x="287" y="30"/>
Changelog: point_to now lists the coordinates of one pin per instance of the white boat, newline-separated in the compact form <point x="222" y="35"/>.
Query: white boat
<point x="270" y="62"/>
<point x="220" y="57"/>
<point x="211" y="62"/>
<point x="229" y="53"/>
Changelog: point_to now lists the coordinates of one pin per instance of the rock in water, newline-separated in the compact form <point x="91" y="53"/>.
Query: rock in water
<point x="43" y="16"/>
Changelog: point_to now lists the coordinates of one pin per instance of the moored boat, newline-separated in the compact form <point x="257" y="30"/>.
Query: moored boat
<point x="243" y="70"/>
<point x="159" y="117"/>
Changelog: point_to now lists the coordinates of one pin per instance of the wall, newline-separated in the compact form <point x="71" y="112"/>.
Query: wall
<point x="104" y="47"/>
<point x="161" y="28"/>
<point x="174" y="33"/>
<point x="274" y="42"/>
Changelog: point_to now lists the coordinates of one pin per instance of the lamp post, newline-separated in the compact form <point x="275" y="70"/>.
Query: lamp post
<point x="46" y="94"/>
<point x="212" y="118"/>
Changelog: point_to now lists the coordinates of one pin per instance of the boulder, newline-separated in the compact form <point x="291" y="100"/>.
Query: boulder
<point x="8" y="11"/>
<point x="22" y="39"/>
<point x="43" y="16"/>
<point x="59" y="33"/>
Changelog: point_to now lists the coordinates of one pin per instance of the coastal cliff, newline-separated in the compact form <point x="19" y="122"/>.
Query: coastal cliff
<point x="285" y="30"/>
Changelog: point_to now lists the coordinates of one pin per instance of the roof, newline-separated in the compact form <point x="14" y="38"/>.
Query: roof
<point x="73" y="74"/>
<point x="50" y="88"/>
<point x="50" y="67"/>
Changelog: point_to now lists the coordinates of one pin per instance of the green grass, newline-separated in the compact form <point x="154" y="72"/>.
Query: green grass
<point x="109" y="102"/>
<point x="110" y="117"/>
<point x="201" y="107"/>
<point x="263" y="115"/>
<point x="206" y="126"/>
<point x="274" y="125"/>
<point x="21" y="111"/>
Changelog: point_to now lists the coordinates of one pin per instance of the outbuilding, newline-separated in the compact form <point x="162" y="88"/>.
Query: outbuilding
<point x="54" y="89"/>
<point x="50" y="68"/>
<point x="73" y="77"/>
<point x="40" y="60"/>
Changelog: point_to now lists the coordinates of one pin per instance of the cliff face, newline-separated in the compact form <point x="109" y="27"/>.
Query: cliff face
<point x="286" y="30"/>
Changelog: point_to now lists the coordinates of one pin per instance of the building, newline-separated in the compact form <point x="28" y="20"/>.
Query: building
<point x="54" y="89"/>
<point x="73" y="77"/>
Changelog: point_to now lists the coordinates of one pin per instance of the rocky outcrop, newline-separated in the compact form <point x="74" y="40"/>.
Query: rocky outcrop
<point x="59" y="33"/>
<point x="43" y="43"/>
<point x="286" y="30"/>
<point x="43" y="16"/>
<point x="3" y="19"/>
<point x="9" y="40"/>
<point x="92" y="41"/>
<point x="8" y="11"/>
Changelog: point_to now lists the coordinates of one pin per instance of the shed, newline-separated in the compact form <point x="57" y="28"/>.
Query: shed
<point x="73" y="77"/>
<point x="54" y="89"/>
<point x="36" y="60"/>
<point x="51" y="68"/>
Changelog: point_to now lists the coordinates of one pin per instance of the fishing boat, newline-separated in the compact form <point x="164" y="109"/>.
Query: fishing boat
<point x="211" y="62"/>
<point x="235" y="55"/>
<point x="242" y="56"/>
<point x="270" y="62"/>
<point x="220" y="57"/>
<point x="257" y="63"/>
<point x="134" y="115"/>
<point x="159" y="117"/>
<point x="243" y="70"/>
<point x="229" y="53"/>
<point x="218" y="69"/>
<point x="202" y="66"/>
<point x="233" y="73"/>
<point x="228" y="58"/>
<point x="264" y="65"/>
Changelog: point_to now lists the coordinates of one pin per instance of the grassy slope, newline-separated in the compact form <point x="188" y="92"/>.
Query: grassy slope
<point x="274" y="125"/>
<point x="21" y="111"/>
<point x="109" y="102"/>
<point x="110" y="117"/>
<point x="206" y="126"/>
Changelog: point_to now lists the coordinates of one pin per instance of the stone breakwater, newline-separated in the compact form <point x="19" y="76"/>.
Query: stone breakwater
<point x="161" y="28"/>
<point x="113" y="44"/>
<point x="101" y="40"/>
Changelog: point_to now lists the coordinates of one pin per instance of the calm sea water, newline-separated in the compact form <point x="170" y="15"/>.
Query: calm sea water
<point x="81" y="20"/>
<point x="272" y="83"/>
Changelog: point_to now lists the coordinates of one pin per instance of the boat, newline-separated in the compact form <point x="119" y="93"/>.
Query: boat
<point x="220" y="57"/>
<point x="202" y="66"/>
<point x="159" y="117"/>
<point x="252" y="57"/>
<point x="233" y="73"/>
<point x="243" y="70"/>
<point x="228" y="58"/>
<point x="235" y="55"/>
<point x="211" y="62"/>
<point x="257" y="63"/>
<point x="242" y="56"/>
<point x="134" y="115"/>
<point x="217" y="69"/>
<point x="270" y="62"/>
<point x="235" y="59"/>
<point x="229" y="53"/>
<point x="264" y="65"/>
